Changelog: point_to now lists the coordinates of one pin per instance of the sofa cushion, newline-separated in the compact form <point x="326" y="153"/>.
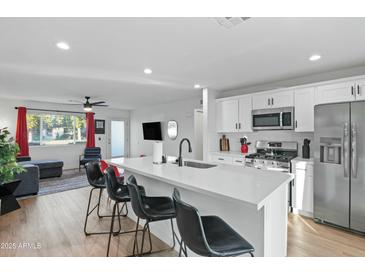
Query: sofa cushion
<point x="23" y="158"/>
<point x="43" y="164"/>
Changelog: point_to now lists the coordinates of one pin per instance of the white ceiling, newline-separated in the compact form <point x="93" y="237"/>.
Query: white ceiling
<point x="108" y="55"/>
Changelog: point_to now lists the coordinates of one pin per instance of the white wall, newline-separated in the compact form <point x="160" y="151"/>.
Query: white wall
<point x="198" y="134"/>
<point x="180" y="111"/>
<point x="209" y="132"/>
<point x="69" y="154"/>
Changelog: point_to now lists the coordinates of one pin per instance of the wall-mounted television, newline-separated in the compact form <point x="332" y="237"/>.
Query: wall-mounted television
<point x="152" y="131"/>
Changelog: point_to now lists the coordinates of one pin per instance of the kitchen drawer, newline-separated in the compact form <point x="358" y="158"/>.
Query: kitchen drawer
<point x="303" y="165"/>
<point x="238" y="161"/>
<point x="222" y="159"/>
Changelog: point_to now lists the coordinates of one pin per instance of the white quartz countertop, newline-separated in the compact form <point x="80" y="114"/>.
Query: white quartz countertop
<point x="245" y="184"/>
<point x="300" y="159"/>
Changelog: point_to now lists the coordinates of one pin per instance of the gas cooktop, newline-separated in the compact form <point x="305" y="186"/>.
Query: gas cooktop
<point x="272" y="157"/>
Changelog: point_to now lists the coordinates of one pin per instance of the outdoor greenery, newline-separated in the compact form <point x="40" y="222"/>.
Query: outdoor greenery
<point x="49" y="128"/>
<point x="8" y="151"/>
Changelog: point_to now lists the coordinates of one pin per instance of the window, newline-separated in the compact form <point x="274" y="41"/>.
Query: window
<point x="56" y="129"/>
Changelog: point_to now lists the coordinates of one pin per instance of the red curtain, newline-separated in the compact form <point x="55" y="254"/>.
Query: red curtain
<point x="21" y="136"/>
<point x="90" y="130"/>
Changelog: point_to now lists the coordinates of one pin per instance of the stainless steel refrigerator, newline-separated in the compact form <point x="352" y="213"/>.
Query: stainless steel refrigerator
<point x="339" y="165"/>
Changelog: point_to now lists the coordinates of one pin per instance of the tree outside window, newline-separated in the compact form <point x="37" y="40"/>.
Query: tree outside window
<point x="56" y="129"/>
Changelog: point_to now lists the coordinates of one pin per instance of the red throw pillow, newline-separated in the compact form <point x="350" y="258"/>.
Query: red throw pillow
<point x="103" y="165"/>
<point x="116" y="171"/>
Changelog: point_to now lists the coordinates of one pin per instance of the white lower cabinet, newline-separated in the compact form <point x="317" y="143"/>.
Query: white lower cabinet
<point x="221" y="159"/>
<point x="238" y="161"/>
<point x="231" y="158"/>
<point x="302" y="192"/>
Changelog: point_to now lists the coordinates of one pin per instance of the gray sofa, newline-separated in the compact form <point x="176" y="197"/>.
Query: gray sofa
<point x="29" y="181"/>
<point x="36" y="170"/>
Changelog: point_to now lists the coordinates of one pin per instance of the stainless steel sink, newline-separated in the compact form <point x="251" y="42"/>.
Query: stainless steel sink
<point x="198" y="165"/>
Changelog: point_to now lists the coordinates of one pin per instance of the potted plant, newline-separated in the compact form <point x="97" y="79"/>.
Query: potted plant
<point x="8" y="169"/>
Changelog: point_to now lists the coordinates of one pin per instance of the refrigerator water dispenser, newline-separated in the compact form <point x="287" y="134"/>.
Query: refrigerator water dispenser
<point x="330" y="150"/>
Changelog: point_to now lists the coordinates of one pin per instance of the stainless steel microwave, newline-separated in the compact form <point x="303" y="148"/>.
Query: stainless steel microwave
<point x="274" y="118"/>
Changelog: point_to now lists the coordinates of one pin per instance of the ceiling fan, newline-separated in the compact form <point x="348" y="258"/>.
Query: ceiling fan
<point x="88" y="106"/>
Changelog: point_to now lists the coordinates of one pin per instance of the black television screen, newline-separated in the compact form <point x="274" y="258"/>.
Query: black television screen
<point x="152" y="131"/>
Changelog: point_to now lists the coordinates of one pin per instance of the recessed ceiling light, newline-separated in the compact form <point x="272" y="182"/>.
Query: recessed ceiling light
<point x="315" y="57"/>
<point x="196" y="86"/>
<point x="63" y="45"/>
<point x="147" y="71"/>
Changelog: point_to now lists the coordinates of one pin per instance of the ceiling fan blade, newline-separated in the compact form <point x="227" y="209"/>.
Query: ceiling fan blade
<point x="76" y="101"/>
<point x="98" y="103"/>
<point x="73" y="104"/>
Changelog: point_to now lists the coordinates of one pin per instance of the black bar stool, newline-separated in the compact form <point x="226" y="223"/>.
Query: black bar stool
<point x="97" y="181"/>
<point x="207" y="235"/>
<point x="150" y="209"/>
<point x="119" y="194"/>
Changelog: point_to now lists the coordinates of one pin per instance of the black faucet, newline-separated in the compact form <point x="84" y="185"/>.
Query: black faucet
<point x="180" y="161"/>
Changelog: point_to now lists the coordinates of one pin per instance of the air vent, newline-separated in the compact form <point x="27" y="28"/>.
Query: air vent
<point x="230" y="22"/>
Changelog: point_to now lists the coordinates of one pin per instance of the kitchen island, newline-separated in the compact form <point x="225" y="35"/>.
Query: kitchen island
<point x="252" y="201"/>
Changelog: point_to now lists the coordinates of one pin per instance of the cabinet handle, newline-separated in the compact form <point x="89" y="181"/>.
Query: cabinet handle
<point x="358" y="89"/>
<point x="239" y="125"/>
<point x="352" y="90"/>
<point x="296" y="123"/>
<point x="236" y="125"/>
<point x="268" y="101"/>
<point x="221" y="159"/>
<point x="272" y="101"/>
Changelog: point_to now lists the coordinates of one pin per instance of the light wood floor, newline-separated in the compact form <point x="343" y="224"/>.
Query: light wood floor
<point x="55" y="222"/>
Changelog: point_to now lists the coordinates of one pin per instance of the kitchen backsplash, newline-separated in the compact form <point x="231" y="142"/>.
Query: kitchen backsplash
<point x="269" y="135"/>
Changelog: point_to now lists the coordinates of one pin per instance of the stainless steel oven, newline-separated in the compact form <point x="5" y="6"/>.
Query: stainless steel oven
<point x="275" y="118"/>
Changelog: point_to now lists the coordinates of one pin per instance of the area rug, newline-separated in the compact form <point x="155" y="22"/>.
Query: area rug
<point x="71" y="179"/>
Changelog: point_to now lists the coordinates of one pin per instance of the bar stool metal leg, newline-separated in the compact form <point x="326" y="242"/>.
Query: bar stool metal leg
<point x="98" y="211"/>
<point x="147" y="227"/>
<point x="111" y="229"/>
<point x="88" y="213"/>
<point x="135" y="243"/>
<point x="142" y="244"/>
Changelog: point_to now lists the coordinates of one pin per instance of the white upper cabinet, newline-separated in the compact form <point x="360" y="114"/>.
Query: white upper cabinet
<point x="227" y="115"/>
<point x="338" y="92"/>
<point x="282" y="99"/>
<point x="245" y="114"/>
<point x="304" y="109"/>
<point x="334" y="93"/>
<point x="274" y="99"/>
<point x="360" y="89"/>
<point x="261" y="100"/>
<point x="234" y="115"/>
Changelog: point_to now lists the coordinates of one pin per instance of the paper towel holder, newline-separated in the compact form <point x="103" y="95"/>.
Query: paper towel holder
<point x="157" y="153"/>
